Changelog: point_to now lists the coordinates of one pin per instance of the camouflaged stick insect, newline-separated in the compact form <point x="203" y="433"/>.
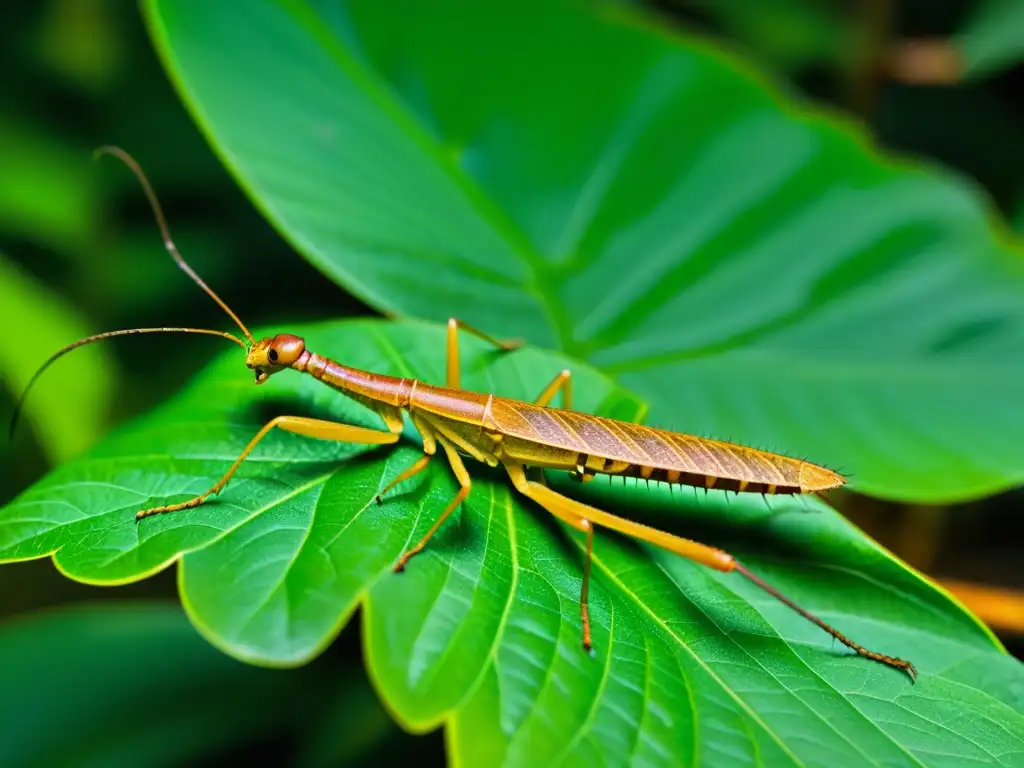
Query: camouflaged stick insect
<point x="513" y="434"/>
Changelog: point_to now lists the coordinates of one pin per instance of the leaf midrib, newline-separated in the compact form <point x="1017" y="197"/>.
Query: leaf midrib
<point x="286" y="571"/>
<point x="644" y="608"/>
<point x="492" y="653"/>
<point x="815" y="673"/>
<point x="588" y="722"/>
<point x="380" y="92"/>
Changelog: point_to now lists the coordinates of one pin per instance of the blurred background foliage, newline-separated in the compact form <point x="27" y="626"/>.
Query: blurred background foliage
<point x="79" y="253"/>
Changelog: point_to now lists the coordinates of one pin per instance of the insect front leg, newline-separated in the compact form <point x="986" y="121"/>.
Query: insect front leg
<point x="318" y="428"/>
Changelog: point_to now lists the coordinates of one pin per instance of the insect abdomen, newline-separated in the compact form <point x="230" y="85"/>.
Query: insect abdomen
<point x="607" y="446"/>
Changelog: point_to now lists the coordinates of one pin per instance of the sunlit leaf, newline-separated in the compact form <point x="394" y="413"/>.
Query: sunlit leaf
<point x="482" y="631"/>
<point x="576" y="176"/>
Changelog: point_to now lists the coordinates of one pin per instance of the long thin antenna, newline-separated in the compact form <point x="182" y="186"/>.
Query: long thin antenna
<point x="100" y="337"/>
<point x="165" y="232"/>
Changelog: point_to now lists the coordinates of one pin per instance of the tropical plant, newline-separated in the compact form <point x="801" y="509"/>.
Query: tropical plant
<point x="706" y="253"/>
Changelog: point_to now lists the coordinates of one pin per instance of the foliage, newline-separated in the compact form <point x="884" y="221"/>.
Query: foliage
<point x="610" y="194"/>
<point x="482" y="631"/>
<point x="791" y="34"/>
<point x="797" y="290"/>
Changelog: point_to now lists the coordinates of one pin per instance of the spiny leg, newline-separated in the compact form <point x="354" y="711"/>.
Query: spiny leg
<point x="566" y="509"/>
<point x="318" y="428"/>
<point x="563" y="381"/>
<point x="452" y="377"/>
<point x="560" y="505"/>
<point x="463" y="477"/>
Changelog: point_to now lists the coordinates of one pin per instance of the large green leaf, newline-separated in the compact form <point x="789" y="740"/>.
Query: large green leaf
<point x="482" y="631"/>
<point x="636" y="199"/>
<point x="132" y="685"/>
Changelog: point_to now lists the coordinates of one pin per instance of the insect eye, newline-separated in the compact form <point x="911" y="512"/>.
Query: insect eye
<point x="272" y="355"/>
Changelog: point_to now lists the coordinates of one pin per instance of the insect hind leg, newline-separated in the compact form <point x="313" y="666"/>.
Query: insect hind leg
<point x="549" y="500"/>
<point x="574" y="512"/>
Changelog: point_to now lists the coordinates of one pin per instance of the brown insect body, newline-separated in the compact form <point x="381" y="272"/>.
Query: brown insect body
<point x="594" y="444"/>
<point x="489" y="427"/>
<point x="513" y="434"/>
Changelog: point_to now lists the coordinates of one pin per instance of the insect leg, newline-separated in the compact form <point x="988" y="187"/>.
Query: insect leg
<point x="562" y="381"/>
<point x="906" y="666"/>
<point x="585" y="589"/>
<point x="463" y="477"/>
<point x="551" y="500"/>
<point x="564" y="507"/>
<point x="452" y="359"/>
<point x="570" y="517"/>
<point x="429" y="449"/>
<point x="415" y="469"/>
<point x="318" y="428"/>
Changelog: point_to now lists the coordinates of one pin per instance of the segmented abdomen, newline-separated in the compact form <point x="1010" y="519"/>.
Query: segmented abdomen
<point x="621" y="448"/>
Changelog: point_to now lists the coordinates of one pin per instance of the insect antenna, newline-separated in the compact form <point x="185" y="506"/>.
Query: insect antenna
<point x="100" y="337"/>
<point x="172" y="249"/>
<point x="161" y="222"/>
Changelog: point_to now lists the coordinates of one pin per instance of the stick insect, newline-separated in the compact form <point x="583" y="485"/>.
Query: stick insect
<point x="512" y="434"/>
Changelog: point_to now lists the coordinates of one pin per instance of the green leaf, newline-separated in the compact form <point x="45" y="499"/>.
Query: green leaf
<point x="636" y="199"/>
<point x="482" y="631"/>
<point x="130" y="685"/>
<point x="68" y="408"/>
<point x="993" y="38"/>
